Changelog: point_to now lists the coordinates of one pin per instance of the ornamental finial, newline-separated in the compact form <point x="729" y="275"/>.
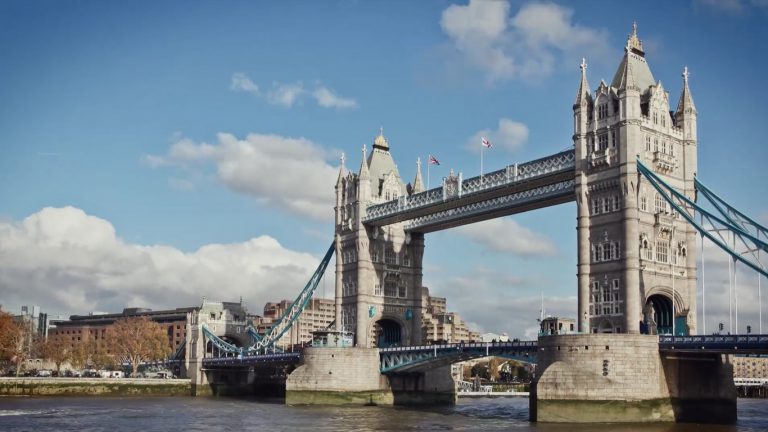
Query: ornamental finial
<point x="685" y="74"/>
<point x="583" y="65"/>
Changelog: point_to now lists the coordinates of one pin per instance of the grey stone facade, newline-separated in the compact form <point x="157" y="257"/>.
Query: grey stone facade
<point x="634" y="252"/>
<point x="378" y="269"/>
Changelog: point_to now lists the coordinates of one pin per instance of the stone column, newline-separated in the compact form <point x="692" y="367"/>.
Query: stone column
<point x="631" y="285"/>
<point x="584" y="255"/>
<point x="339" y="275"/>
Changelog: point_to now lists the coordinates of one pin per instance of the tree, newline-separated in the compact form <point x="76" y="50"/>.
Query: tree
<point x="493" y="368"/>
<point x="14" y="340"/>
<point x="79" y="355"/>
<point x="137" y="339"/>
<point x="56" y="350"/>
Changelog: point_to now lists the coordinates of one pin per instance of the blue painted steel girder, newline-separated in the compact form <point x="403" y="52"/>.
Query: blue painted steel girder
<point x="716" y="344"/>
<point x="424" y="357"/>
<point x="252" y="360"/>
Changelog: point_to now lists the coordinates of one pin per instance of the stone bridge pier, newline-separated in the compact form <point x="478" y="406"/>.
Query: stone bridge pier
<point x="624" y="378"/>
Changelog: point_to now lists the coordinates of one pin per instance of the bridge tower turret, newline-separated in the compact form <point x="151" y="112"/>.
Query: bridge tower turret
<point x="636" y="261"/>
<point x="378" y="269"/>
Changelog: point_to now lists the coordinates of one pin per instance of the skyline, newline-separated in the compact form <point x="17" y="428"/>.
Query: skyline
<point x="153" y="158"/>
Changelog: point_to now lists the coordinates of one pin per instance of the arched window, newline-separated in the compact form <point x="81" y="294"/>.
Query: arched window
<point x="390" y="257"/>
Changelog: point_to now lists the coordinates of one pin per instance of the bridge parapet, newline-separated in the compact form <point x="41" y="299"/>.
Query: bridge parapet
<point x="507" y="176"/>
<point x="424" y="357"/>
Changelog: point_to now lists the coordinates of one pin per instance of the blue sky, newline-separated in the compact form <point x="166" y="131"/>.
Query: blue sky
<point x="131" y="120"/>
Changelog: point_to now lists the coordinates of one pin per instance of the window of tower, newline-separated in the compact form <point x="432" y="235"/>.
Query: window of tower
<point x="664" y="147"/>
<point x="377" y="289"/>
<point x="643" y="203"/>
<point x="647" y="143"/>
<point x="403" y="290"/>
<point x="606" y="205"/>
<point x="662" y="251"/>
<point x="390" y="257"/>
<point x="599" y="254"/>
<point x="602" y="111"/>
<point x="607" y="252"/>
<point x="613" y="138"/>
<point x="602" y="142"/>
<point x="390" y="288"/>
<point x="655" y="144"/>
<point x="660" y="206"/>
<point x="595" y="206"/>
<point x="616" y="202"/>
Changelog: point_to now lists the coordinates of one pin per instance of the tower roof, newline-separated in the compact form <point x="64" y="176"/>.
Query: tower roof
<point x="685" y="104"/>
<point x="418" y="184"/>
<point x="633" y="70"/>
<point x="380" y="163"/>
<point x="583" y="93"/>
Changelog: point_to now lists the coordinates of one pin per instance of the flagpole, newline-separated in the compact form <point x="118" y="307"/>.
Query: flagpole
<point x="429" y="162"/>
<point x="482" y="148"/>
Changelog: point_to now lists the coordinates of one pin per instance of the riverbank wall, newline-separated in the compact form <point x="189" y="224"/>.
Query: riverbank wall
<point x="94" y="387"/>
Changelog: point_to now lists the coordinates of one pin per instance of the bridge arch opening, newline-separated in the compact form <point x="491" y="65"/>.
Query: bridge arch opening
<point x="658" y="314"/>
<point x="389" y="333"/>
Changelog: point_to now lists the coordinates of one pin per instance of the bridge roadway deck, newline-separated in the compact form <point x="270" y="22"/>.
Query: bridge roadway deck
<point x="540" y="183"/>
<point x="423" y="357"/>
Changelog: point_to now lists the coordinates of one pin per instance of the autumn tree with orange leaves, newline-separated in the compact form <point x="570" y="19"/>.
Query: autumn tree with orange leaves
<point x="138" y="339"/>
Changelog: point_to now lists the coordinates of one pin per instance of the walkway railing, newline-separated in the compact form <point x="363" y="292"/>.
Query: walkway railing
<point x="510" y="175"/>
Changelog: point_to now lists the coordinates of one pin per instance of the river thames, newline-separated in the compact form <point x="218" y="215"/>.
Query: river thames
<point x="213" y="415"/>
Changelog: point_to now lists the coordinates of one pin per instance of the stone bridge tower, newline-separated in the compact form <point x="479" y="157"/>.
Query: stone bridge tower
<point x="378" y="269"/>
<point x="636" y="257"/>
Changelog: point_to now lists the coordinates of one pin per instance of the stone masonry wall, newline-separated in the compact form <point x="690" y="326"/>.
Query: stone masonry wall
<point x="595" y="366"/>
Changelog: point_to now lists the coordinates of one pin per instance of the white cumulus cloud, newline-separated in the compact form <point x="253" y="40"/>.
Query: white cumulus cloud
<point x="527" y="45"/>
<point x="241" y="82"/>
<point x="508" y="236"/>
<point x="288" y="95"/>
<point x="510" y="136"/>
<point x="67" y="261"/>
<point x="287" y="173"/>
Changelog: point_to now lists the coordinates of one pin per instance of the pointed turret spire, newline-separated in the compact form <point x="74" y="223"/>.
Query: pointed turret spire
<point x="364" y="174"/>
<point x="582" y="96"/>
<point x="342" y="169"/>
<point x="633" y="72"/>
<point x="685" y="104"/>
<point x="634" y="43"/>
<point x="418" y="184"/>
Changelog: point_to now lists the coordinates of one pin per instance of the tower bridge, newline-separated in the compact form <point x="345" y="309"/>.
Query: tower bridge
<point x="632" y="173"/>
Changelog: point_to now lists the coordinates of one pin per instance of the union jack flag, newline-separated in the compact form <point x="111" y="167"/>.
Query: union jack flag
<point x="433" y="160"/>
<point x="486" y="143"/>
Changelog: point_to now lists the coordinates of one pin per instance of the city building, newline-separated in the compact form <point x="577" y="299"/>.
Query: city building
<point x="439" y="325"/>
<point x="318" y="315"/>
<point x="94" y="327"/>
<point x="749" y="366"/>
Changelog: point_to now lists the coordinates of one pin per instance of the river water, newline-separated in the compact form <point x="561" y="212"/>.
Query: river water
<point x="221" y="414"/>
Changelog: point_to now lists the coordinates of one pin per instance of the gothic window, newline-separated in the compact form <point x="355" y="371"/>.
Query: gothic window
<point x="606" y="310"/>
<point x="595" y="287"/>
<point x="599" y="255"/>
<point x="375" y="254"/>
<point x="663" y="120"/>
<point x="643" y="203"/>
<point x="615" y="283"/>
<point x="660" y="206"/>
<point x="647" y="251"/>
<point x="664" y="147"/>
<point x="607" y="251"/>
<point x="602" y="111"/>
<point x="606" y="294"/>
<point x="602" y="142"/>
<point x="662" y="251"/>
<point x="595" y="206"/>
<point x="613" y="138"/>
<point x="616" y="202"/>
<point x="377" y="289"/>
<point x="403" y="290"/>
<point x="390" y="257"/>
<point x="655" y="118"/>
<point x="672" y="149"/>
<point x="647" y="143"/>
<point x="655" y="144"/>
<point x="606" y="205"/>
<point x="390" y="287"/>
<point x="615" y="250"/>
<point x="406" y="259"/>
